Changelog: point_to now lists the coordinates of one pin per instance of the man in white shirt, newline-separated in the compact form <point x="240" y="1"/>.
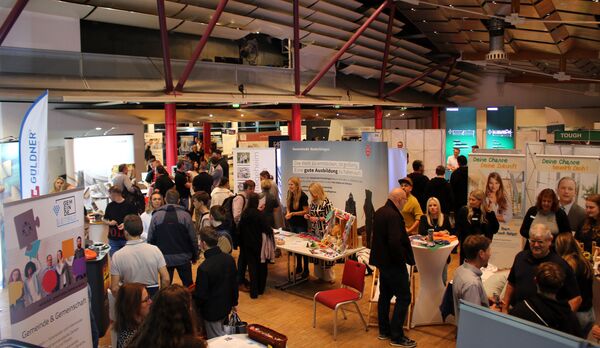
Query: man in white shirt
<point x="137" y="261"/>
<point x="452" y="162"/>
<point x="467" y="284"/>
<point x="567" y="196"/>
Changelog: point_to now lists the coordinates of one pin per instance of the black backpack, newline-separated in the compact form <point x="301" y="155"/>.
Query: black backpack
<point x="136" y="198"/>
<point x="228" y="207"/>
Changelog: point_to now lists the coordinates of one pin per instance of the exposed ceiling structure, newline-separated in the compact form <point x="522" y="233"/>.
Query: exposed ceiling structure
<point x="546" y="41"/>
<point x="324" y="27"/>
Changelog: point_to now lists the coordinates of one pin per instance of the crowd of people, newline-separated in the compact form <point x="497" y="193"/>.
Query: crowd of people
<point x="193" y="216"/>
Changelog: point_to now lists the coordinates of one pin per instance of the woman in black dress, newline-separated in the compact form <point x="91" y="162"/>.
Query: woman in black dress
<point x="297" y="207"/>
<point x="475" y="218"/>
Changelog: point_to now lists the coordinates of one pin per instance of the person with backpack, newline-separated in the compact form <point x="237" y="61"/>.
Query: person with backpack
<point x="201" y="202"/>
<point x="172" y="231"/>
<point x="218" y="220"/>
<point x="238" y="204"/>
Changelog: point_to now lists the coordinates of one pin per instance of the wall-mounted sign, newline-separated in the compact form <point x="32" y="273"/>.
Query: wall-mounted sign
<point x="576" y="136"/>
<point x="500" y="132"/>
<point x="461" y="125"/>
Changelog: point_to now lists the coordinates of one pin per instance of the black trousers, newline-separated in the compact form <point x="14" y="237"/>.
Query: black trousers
<point x="242" y="265"/>
<point x="258" y="277"/>
<point x="393" y="281"/>
<point x="184" y="271"/>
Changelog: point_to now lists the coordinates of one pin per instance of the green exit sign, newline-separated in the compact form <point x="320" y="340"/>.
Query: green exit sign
<point x="582" y="135"/>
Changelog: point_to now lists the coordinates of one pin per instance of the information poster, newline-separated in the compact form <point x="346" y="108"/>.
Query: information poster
<point x="155" y="141"/>
<point x="502" y="178"/>
<point x="353" y="174"/>
<point x="248" y="163"/>
<point x="47" y="284"/>
<point x="500" y="132"/>
<point x="461" y="126"/>
<point x="549" y="169"/>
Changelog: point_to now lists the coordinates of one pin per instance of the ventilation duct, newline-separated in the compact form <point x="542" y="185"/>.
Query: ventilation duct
<point x="496" y="30"/>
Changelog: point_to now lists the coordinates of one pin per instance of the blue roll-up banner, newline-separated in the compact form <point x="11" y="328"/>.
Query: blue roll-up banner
<point x="33" y="144"/>
<point x="461" y="130"/>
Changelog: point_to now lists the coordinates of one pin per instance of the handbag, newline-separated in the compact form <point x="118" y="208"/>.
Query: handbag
<point x="234" y="325"/>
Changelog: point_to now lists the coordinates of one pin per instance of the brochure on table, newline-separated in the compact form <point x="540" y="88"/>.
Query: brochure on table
<point x="47" y="285"/>
<point x="351" y="173"/>
<point x="502" y="178"/>
<point x="248" y="163"/>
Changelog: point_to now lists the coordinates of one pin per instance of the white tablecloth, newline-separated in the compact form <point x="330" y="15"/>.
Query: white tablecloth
<point x="238" y="341"/>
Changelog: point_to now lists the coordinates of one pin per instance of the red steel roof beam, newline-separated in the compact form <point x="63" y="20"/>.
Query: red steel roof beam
<point x="386" y="52"/>
<point x="416" y="78"/>
<point x="438" y="94"/>
<point x="344" y="48"/>
<point x="198" y="50"/>
<point x="164" y="40"/>
<point x="14" y="14"/>
<point x="296" y="48"/>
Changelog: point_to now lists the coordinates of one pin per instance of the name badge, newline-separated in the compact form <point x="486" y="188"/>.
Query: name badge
<point x="475" y="219"/>
<point x="532" y="216"/>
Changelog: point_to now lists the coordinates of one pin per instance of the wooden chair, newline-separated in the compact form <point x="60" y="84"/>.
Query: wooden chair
<point x="375" y="296"/>
<point x="353" y="285"/>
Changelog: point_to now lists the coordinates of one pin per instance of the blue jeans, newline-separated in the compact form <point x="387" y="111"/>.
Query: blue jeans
<point x="393" y="281"/>
<point x="115" y="245"/>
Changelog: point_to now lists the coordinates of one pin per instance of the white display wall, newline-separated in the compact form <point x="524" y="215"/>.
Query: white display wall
<point x="426" y="145"/>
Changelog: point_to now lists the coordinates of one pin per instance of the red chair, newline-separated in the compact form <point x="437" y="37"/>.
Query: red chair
<point x="353" y="285"/>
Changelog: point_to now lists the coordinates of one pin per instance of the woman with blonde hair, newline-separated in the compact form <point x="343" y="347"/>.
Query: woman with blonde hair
<point x="296" y="208"/>
<point x="320" y="206"/>
<point x="436" y="220"/>
<point x="475" y="218"/>
<point x="156" y="201"/>
<point x="60" y="184"/>
<point x="566" y="246"/>
<point x="496" y="198"/>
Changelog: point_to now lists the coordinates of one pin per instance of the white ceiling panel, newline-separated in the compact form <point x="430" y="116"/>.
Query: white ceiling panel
<point x="220" y="32"/>
<point x="334" y="21"/>
<point x="335" y="10"/>
<point x="52" y="7"/>
<point x="413" y="47"/>
<point x="200" y="14"/>
<point x="323" y="40"/>
<point x="143" y="6"/>
<point x="314" y="57"/>
<point x="407" y="63"/>
<point x="367" y="73"/>
<point x="406" y="54"/>
<point x="350" y="4"/>
<point x="136" y="19"/>
<point x="368" y="62"/>
<point x="275" y="30"/>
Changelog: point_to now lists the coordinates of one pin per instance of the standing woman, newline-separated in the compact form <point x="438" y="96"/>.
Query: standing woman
<point x="270" y="203"/>
<point x="436" y="220"/>
<point x="496" y="198"/>
<point x="132" y="306"/>
<point x="475" y="218"/>
<point x="156" y="201"/>
<point x="258" y="245"/>
<point x="16" y="289"/>
<point x="31" y="285"/>
<point x="297" y="207"/>
<point x="590" y="232"/>
<point x="163" y="182"/>
<point x="318" y="211"/>
<point x="274" y="190"/>
<point x="546" y="211"/>
<point x="171" y="322"/>
<point x="566" y="247"/>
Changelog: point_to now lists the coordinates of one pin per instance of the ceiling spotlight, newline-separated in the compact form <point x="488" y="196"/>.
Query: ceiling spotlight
<point x="211" y="115"/>
<point x="317" y="115"/>
<point x="242" y="115"/>
<point x="98" y="128"/>
<point x="337" y="114"/>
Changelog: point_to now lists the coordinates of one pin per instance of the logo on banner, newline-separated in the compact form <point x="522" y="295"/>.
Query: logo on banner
<point x="26" y="227"/>
<point x="505" y="133"/>
<point x="368" y="150"/>
<point x="65" y="211"/>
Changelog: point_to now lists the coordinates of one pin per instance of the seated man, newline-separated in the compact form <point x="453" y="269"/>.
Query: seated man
<point x="137" y="261"/>
<point x="543" y="307"/>
<point x="521" y="279"/>
<point x="467" y="283"/>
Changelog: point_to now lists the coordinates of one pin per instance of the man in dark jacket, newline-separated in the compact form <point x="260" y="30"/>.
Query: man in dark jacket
<point x="390" y="252"/>
<point x="459" y="180"/>
<point x="172" y="231"/>
<point x="439" y="188"/>
<point x="544" y="308"/>
<point x="203" y="181"/>
<point x="216" y="292"/>
<point x="420" y="181"/>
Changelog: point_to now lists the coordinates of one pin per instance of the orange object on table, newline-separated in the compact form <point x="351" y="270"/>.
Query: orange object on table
<point x="444" y="236"/>
<point x="90" y="254"/>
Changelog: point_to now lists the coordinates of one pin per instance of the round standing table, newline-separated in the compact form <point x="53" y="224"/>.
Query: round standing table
<point x="237" y="340"/>
<point x="430" y="263"/>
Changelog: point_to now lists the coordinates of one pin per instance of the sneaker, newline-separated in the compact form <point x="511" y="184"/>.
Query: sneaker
<point x="383" y="337"/>
<point x="403" y="342"/>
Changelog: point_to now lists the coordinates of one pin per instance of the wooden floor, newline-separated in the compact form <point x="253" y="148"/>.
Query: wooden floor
<point x="290" y="312"/>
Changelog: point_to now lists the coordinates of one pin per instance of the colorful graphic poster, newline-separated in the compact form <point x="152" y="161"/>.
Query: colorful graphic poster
<point x="155" y="141"/>
<point x="500" y="132"/>
<point x="461" y="126"/>
<point x="549" y="169"/>
<point x="502" y="178"/>
<point x="353" y="174"/>
<point x="248" y="163"/>
<point x="33" y="143"/>
<point x="47" y="284"/>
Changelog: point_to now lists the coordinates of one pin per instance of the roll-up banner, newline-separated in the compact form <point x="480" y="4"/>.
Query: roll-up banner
<point x="46" y="270"/>
<point x="500" y="130"/>
<point x="33" y="143"/>
<point x="248" y="163"/>
<point x="354" y="175"/>
<point x="155" y="141"/>
<point x="549" y="169"/>
<point x="461" y="130"/>
<point x="502" y="178"/>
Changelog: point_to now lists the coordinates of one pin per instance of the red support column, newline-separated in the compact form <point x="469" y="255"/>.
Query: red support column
<point x="378" y="117"/>
<point x="295" y="127"/>
<point x="171" y="134"/>
<point x="206" y="138"/>
<point x="12" y="17"/>
<point x="435" y="117"/>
